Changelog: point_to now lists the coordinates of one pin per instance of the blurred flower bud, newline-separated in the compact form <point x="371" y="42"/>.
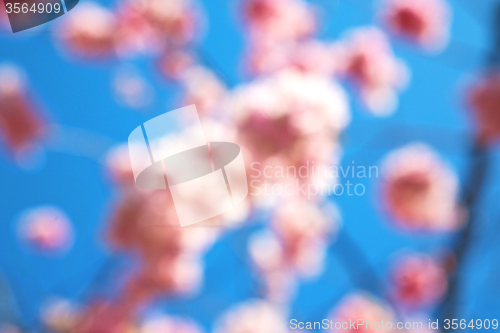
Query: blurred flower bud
<point x="294" y="247"/>
<point x="370" y="63"/>
<point x="20" y="124"/>
<point x="89" y="32"/>
<point x="418" y="280"/>
<point x="46" y="229"/>
<point x="276" y="21"/>
<point x="425" y="22"/>
<point x="289" y="121"/>
<point x="419" y="190"/>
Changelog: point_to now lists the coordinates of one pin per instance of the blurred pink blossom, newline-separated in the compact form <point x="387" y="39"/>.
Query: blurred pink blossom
<point x="135" y="27"/>
<point x="172" y="23"/>
<point x="104" y="317"/>
<point x="419" y="190"/>
<point x="418" y="280"/>
<point x="425" y="22"/>
<point x="135" y="34"/>
<point x="145" y="223"/>
<point x="253" y="316"/>
<point x="290" y="119"/>
<point x="271" y="21"/>
<point x="360" y="306"/>
<point x="267" y="58"/>
<point x="294" y="247"/>
<point x="46" y="228"/>
<point x="299" y="220"/>
<point x="21" y="126"/>
<point x="130" y="228"/>
<point x="307" y="56"/>
<point x="484" y="100"/>
<point x="313" y="56"/>
<point x="368" y="61"/>
<point x="89" y="32"/>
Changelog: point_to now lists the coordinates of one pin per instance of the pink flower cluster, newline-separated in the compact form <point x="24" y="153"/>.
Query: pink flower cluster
<point x="419" y="190"/>
<point x="21" y="125"/>
<point x="278" y="21"/>
<point x="136" y="26"/>
<point x="293" y="246"/>
<point x="306" y="56"/>
<point x="289" y="119"/>
<point x="89" y="31"/>
<point x="145" y="223"/>
<point x="365" y="57"/>
<point x="424" y="22"/>
<point x="418" y="280"/>
<point x="280" y="37"/>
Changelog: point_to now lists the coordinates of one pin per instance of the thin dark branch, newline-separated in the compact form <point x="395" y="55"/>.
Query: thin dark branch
<point x="472" y="191"/>
<point x="493" y="59"/>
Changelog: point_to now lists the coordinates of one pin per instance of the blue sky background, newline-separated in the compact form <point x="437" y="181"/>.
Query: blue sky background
<point x="79" y="94"/>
